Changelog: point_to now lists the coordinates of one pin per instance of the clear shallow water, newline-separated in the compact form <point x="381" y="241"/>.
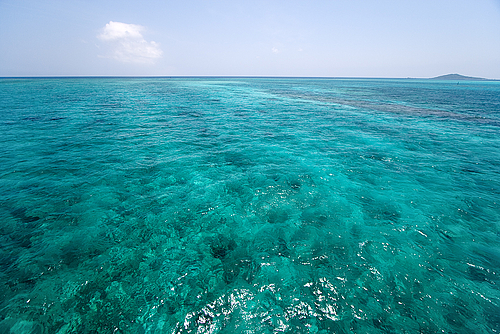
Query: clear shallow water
<point x="245" y="205"/>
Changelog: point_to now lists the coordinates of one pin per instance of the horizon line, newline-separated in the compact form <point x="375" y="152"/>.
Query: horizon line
<point x="233" y="76"/>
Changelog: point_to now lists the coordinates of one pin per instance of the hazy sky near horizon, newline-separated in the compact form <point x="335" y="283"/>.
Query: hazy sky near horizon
<point x="339" y="38"/>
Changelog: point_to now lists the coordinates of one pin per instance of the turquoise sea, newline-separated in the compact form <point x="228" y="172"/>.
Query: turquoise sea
<point x="249" y="205"/>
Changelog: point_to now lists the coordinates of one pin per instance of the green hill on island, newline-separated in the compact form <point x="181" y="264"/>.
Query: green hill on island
<point x="456" y="77"/>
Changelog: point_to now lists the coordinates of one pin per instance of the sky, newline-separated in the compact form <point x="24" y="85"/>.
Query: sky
<point x="316" y="38"/>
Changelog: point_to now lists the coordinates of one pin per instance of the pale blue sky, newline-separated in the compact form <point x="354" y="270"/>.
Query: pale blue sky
<point x="338" y="38"/>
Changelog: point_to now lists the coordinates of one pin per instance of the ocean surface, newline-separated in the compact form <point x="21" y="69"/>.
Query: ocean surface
<point x="249" y="205"/>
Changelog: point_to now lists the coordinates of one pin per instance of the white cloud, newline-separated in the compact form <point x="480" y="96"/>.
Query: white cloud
<point x="275" y="50"/>
<point x="127" y="43"/>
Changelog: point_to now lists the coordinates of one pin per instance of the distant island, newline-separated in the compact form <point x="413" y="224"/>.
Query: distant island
<point x="455" y="77"/>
